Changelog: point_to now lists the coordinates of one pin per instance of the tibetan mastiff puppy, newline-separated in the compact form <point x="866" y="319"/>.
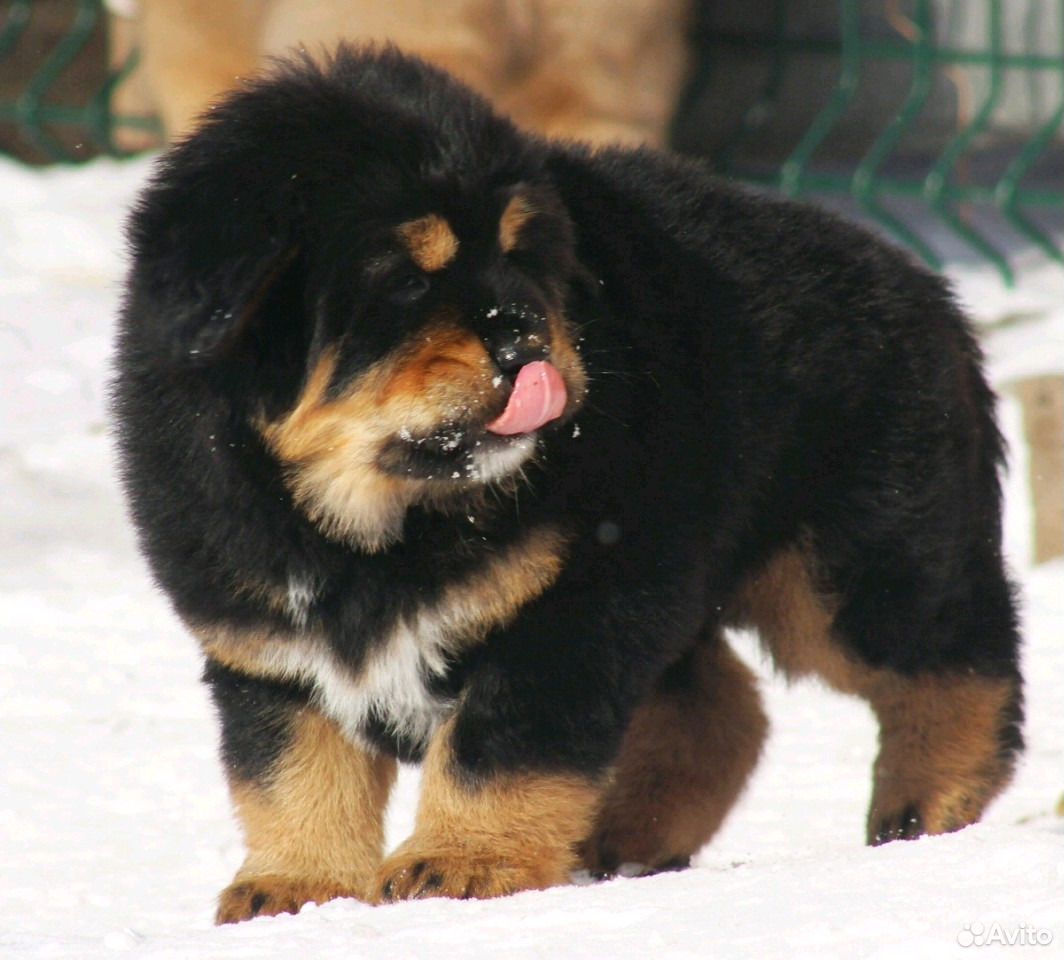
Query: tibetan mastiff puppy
<point x="455" y="445"/>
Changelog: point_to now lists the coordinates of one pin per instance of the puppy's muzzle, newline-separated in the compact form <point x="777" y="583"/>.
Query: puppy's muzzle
<point x="515" y="335"/>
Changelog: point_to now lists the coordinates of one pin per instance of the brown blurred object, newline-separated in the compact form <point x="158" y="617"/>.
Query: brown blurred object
<point x="602" y="70"/>
<point x="1042" y="399"/>
<point x="132" y="98"/>
<point x="49" y="22"/>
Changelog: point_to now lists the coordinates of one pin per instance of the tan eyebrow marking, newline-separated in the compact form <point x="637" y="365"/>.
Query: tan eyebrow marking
<point x="430" y="241"/>
<point x="517" y="213"/>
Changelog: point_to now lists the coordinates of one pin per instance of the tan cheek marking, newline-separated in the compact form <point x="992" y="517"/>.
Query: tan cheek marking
<point x="447" y="364"/>
<point x="517" y="213"/>
<point x="430" y="241"/>
<point x="307" y="430"/>
<point x="565" y="357"/>
<point x="331" y="445"/>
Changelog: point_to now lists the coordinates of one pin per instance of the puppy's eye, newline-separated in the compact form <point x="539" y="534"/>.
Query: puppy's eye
<point x="405" y="289"/>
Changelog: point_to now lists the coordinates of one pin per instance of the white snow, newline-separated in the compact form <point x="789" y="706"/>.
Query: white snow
<point x="115" y="832"/>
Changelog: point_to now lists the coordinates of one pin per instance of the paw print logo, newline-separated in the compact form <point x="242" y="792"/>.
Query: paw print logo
<point x="971" y="935"/>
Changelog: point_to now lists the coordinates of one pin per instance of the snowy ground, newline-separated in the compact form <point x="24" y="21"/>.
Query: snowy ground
<point x="115" y="834"/>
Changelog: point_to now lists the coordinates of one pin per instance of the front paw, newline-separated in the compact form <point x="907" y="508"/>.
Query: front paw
<point x="416" y="871"/>
<point x="267" y="896"/>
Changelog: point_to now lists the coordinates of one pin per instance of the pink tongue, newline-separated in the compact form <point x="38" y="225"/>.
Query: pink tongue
<point x="538" y="397"/>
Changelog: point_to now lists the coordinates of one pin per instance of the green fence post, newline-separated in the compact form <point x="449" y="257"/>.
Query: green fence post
<point x="792" y="174"/>
<point x="866" y="183"/>
<point x="937" y="187"/>
<point x="1007" y="191"/>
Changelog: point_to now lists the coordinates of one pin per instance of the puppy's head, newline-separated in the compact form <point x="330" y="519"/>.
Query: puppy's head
<point x="374" y="271"/>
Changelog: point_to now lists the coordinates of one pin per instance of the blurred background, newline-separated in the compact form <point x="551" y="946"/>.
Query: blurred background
<point x="938" y="122"/>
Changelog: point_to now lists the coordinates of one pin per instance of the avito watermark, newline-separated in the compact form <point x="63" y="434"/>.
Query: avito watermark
<point x="1001" y="935"/>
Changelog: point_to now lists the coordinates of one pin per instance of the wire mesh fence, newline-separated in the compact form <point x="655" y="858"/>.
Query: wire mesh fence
<point x="58" y="82"/>
<point x="931" y="117"/>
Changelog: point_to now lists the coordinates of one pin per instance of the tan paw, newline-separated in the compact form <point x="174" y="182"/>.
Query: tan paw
<point x="415" y="872"/>
<point x="904" y="810"/>
<point x="891" y="818"/>
<point x="270" y="895"/>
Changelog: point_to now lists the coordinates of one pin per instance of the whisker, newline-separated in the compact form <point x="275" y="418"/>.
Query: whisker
<point x="609" y="416"/>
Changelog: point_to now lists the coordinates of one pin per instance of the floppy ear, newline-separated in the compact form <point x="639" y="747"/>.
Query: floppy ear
<point x="215" y="243"/>
<point x="243" y="303"/>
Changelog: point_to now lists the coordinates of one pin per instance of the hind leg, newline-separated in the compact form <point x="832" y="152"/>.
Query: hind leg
<point x="947" y="745"/>
<point x="937" y="662"/>
<point x="949" y="733"/>
<point x="684" y="761"/>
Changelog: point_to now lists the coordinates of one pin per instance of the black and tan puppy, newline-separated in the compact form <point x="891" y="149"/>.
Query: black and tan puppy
<point x="456" y="445"/>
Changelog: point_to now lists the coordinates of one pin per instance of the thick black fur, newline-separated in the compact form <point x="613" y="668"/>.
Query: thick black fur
<point x="760" y="373"/>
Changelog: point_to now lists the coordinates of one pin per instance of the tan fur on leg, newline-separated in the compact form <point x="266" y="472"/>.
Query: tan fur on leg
<point x="515" y="832"/>
<point x="944" y="737"/>
<point x="315" y="830"/>
<point x="941" y="757"/>
<point x="685" y="759"/>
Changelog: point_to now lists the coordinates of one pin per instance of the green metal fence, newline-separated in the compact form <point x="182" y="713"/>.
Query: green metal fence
<point x="905" y="108"/>
<point x="972" y="174"/>
<point x="44" y="118"/>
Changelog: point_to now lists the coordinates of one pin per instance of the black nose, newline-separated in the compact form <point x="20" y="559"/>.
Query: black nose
<point x="516" y="335"/>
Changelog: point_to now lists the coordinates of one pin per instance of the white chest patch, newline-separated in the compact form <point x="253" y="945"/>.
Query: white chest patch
<point x="300" y="595"/>
<point x="391" y="687"/>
